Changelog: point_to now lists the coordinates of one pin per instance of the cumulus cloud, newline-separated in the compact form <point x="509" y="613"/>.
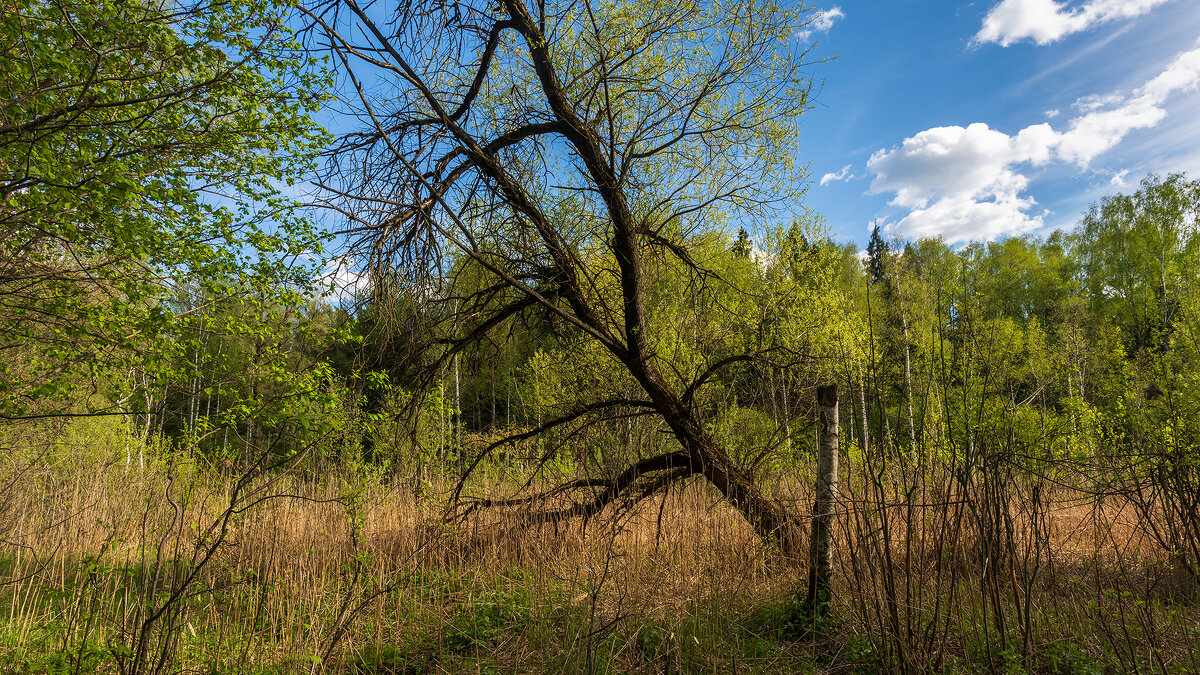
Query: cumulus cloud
<point x="964" y="183"/>
<point x="1046" y="21"/>
<point x="835" y="176"/>
<point x="959" y="183"/>
<point x="949" y="218"/>
<point x="822" y="23"/>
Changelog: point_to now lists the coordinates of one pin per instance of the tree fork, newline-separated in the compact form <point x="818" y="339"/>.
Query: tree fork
<point x="621" y="329"/>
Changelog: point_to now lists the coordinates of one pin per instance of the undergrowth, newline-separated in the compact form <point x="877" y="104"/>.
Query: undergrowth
<point x="310" y="581"/>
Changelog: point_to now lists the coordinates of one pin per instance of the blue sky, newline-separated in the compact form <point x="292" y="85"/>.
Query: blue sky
<point x="980" y="120"/>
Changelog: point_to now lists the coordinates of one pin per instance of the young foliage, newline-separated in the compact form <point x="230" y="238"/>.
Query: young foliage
<point x="575" y="153"/>
<point x="143" y="147"/>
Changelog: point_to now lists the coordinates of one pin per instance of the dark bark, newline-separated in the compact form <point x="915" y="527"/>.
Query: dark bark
<point x="430" y="137"/>
<point x="820" y="570"/>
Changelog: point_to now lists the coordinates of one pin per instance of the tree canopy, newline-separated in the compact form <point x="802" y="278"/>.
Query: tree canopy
<point x="143" y="148"/>
<point x="573" y="153"/>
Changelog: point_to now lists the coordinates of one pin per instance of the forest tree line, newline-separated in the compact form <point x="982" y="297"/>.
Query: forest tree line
<point x="555" y="263"/>
<point x="154" y="274"/>
<point x="1073" y="351"/>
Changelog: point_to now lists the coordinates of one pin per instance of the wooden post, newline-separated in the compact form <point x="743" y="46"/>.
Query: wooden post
<point x="820" y="566"/>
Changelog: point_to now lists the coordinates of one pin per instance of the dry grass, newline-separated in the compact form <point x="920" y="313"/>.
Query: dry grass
<point x="354" y="574"/>
<point x="611" y="595"/>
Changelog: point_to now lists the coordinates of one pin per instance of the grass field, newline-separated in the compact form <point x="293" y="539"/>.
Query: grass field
<point x="109" y="567"/>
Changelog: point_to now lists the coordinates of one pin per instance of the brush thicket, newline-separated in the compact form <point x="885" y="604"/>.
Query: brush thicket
<point x="358" y="572"/>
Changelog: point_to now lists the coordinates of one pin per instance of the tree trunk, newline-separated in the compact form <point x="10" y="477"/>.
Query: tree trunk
<point x="787" y="417"/>
<point x="908" y="394"/>
<point x="850" y="416"/>
<point x="456" y="421"/>
<point x="442" y="444"/>
<point x="770" y="520"/>
<point x="866" y="426"/>
<point x="621" y="328"/>
<point x="821" y="568"/>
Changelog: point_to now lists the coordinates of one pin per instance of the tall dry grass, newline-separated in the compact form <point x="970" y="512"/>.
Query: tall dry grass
<point x="1007" y="572"/>
<point x="355" y="572"/>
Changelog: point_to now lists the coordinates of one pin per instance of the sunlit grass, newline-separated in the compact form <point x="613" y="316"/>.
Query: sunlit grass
<point x="315" y="581"/>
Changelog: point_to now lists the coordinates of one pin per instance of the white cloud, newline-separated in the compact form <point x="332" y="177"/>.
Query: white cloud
<point x="959" y="183"/>
<point x="344" y="279"/>
<point x="1105" y="124"/>
<point x="842" y="175"/>
<point x="1092" y="102"/>
<point x="943" y="160"/>
<point x="951" y="217"/>
<point x="1051" y="114"/>
<point x="1046" y="21"/>
<point x="822" y="23"/>
<point x="827" y="17"/>
<point x="964" y="183"/>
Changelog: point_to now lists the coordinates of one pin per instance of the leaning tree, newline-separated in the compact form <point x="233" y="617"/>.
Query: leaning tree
<point x="563" y="153"/>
